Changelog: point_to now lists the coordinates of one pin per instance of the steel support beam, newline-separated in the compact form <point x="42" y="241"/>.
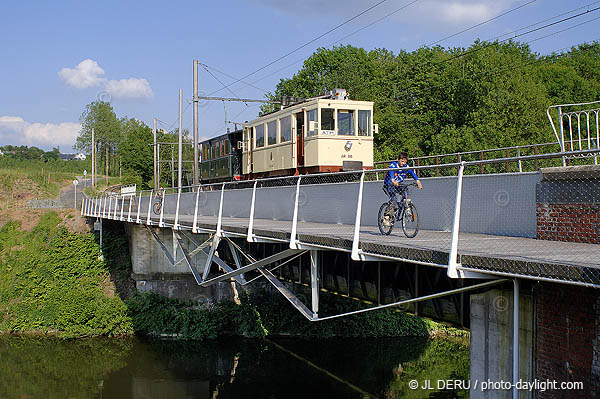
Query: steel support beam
<point x="263" y="262"/>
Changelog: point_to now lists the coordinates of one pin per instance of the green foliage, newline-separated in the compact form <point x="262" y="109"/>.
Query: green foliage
<point x="280" y="318"/>
<point x="51" y="280"/>
<point x="431" y="101"/>
<point x="136" y="152"/>
<point x="153" y="314"/>
<point x="262" y="314"/>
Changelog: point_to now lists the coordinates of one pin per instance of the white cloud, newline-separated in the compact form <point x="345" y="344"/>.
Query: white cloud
<point x="89" y="74"/>
<point x="425" y="11"/>
<point x="129" y="88"/>
<point x="466" y="11"/>
<point x="15" y="130"/>
<point x="86" y="74"/>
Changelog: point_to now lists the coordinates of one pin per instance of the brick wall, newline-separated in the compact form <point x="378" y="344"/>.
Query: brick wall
<point x="567" y="338"/>
<point x="568" y="222"/>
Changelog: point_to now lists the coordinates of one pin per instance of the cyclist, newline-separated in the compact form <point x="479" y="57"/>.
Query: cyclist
<point x="393" y="178"/>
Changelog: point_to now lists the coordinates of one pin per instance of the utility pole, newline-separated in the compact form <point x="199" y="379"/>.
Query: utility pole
<point x="180" y="139"/>
<point x="93" y="151"/>
<point x="155" y="164"/>
<point x="106" y="164"/>
<point x="195" y="99"/>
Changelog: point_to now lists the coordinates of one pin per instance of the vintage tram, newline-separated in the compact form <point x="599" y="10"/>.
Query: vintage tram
<point x="329" y="133"/>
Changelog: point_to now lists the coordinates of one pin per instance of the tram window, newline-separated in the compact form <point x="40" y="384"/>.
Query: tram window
<point x="346" y="123"/>
<point x="227" y="147"/>
<point x="327" y="122"/>
<point x="286" y="129"/>
<point x="260" y="135"/>
<point x="312" y="117"/>
<point x="364" y="123"/>
<point x="272" y="132"/>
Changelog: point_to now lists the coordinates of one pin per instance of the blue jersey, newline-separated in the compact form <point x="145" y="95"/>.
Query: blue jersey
<point x="398" y="175"/>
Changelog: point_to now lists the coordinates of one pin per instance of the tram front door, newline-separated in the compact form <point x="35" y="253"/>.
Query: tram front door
<point x="300" y="138"/>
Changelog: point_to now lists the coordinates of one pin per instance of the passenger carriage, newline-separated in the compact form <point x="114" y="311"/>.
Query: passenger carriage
<point x="324" y="134"/>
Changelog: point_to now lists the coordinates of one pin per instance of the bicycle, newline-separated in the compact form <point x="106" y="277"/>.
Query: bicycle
<point x="158" y="200"/>
<point x="389" y="213"/>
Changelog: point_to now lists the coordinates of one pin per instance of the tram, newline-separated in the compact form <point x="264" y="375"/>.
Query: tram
<point x="329" y="133"/>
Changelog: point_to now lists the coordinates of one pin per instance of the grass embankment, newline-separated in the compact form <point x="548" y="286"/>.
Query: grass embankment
<point x="52" y="281"/>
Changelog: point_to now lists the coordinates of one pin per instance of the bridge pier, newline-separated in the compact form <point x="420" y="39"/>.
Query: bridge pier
<point x="492" y="332"/>
<point x="152" y="270"/>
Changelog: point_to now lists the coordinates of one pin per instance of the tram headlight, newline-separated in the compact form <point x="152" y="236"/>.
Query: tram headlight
<point x="348" y="145"/>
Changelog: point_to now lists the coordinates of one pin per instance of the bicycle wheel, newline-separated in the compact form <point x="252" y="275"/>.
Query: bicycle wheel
<point x="156" y="207"/>
<point x="386" y="218"/>
<point x="410" y="220"/>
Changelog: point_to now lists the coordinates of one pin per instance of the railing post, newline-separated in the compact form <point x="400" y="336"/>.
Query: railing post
<point x="293" y="243"/>
<point x="109" y="207"/>
<point x="104" y="207"/>
<point x="137" y="217"/>
<point x="148" y="221"/>
<point x="162" y="209"/>
<point x="116" y="205"/>
<point x="218" y="232"/>
<point x="122" y="203"/>
<point x="195" y="224"/>
<point x="176" y="225"/>
<point x="537" y="151"/>
<point x="520" y="163"/>
<point x="481" y="165"/>
<point x="437" y="162"/>
<point x="507" y="162"/>
<point x="452" y="262"/>
<point x="83" y="203"/>
<point x="356" y="238"/>
<point x="250" y="237"/>
<point x="129" y="210"/>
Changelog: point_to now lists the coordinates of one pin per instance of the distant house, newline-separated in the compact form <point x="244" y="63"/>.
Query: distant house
<point x="68" y="157"/>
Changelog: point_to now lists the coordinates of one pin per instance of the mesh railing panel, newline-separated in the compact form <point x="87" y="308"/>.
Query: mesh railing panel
<point x="435" y="208"/>
<point x="326" y="213"/>
<point x="545" y="225"/>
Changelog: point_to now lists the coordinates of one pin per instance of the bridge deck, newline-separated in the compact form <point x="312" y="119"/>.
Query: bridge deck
<point x="486" y="253"/>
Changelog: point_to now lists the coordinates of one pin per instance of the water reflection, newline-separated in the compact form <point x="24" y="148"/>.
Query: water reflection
<point x="235" y="368"/>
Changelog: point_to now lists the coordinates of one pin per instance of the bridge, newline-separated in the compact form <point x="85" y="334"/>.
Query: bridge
<point x="480" y="229"/>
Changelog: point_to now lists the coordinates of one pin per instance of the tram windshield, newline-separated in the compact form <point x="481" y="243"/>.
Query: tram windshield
<point x="346" y="122"/>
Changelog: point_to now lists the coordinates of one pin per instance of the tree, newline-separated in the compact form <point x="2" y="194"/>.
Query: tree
<point x="100" y="116"/>
<point x="136" y="152"/>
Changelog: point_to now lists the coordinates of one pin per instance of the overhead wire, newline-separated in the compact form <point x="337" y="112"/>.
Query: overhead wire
<point x="395" y="11"/>
<point x="545" y="20"/>
<point x="309" y="42"/>
<point x="481" y="23"/>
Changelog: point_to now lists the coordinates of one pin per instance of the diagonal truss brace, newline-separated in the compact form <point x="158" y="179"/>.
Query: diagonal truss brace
<point x="271" y="278"/>
<point x="224" y="266"/>
<point x="187" y="256"/>
<point x="252" y="266"/>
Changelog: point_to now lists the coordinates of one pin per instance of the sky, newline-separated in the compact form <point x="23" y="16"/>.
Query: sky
<point x="59" y="56"/>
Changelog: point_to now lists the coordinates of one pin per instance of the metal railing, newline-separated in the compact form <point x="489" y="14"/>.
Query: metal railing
<point x="470" y="224"/>
<point x="570" y="124"/>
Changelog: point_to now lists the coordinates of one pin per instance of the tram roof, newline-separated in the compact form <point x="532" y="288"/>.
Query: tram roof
<point x="307" y="104"/>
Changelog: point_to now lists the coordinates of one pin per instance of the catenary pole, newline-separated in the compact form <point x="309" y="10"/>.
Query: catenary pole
<point x="180" y="139"/>
<point x="195" y="99"/>
<point x="154" y="153"/>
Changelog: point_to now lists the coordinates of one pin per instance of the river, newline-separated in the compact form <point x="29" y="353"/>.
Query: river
<point x="233" y="368"/>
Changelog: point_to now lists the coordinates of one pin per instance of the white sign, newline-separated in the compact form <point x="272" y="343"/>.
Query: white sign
<point x="75" y="182"/>
<point x="85" y="172"/>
